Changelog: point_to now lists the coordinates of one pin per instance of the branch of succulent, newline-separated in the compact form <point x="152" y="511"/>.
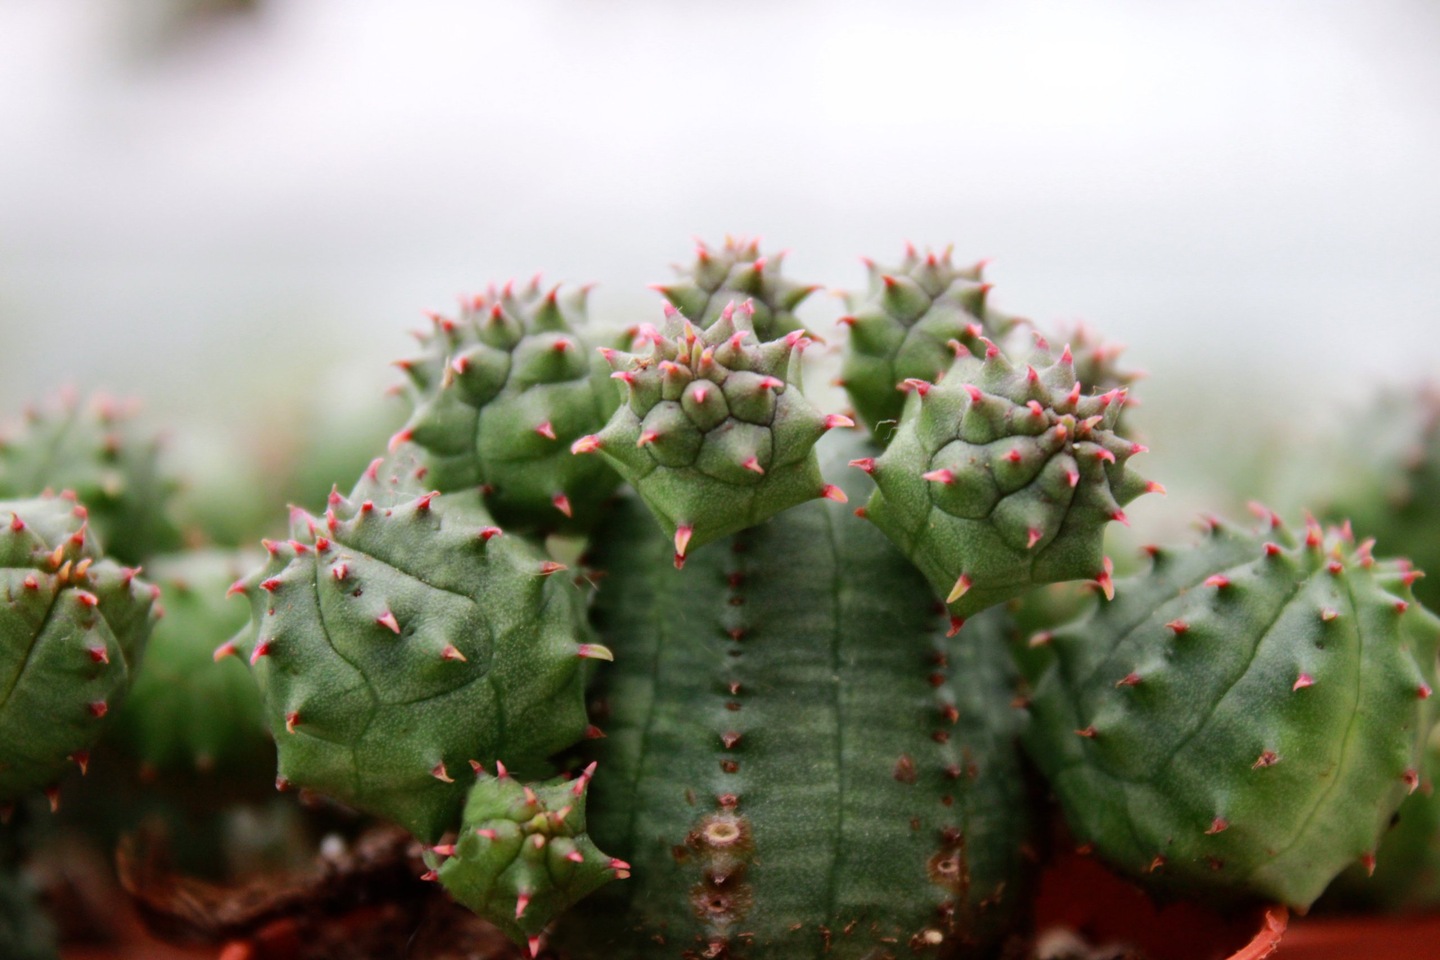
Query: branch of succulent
<point x="796" y="746"/>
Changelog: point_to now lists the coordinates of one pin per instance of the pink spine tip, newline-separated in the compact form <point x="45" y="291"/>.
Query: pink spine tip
<point x="452" y="652"/>
<point x="98" y="708"/>
<point x="1066" y="356"/>
<point x="1013" y="455"/>
<point x="81" y="759"/>
<point x="52" y="794"/>
<point x="1031" y="376"/>
<point x="753" y="465"/>
<point x="489" y="533"/>
<point x="550" y="566"/>
<point x="683" y="533"/>
<point x="1087" y="732"/>
<point x="533" y="943"/>
<point x="1218" y="825"/>
<point x="956" y="624"/>
<point x="1368" y="862"/>
<point x="31" y="583"/>
<point x="271" y="585"/>
<point x="962" y="586"/>
<point x="1119" y="516"/>
<point x="835" y="420"/>
<point x="388" y="621"/>
<point x="443" y="849"/>
<point x="1129" y="680"/>
<point x="400" y="437"/>
<point x="98" y="654"/>
<point x="291" y="719"/>
<point x="864" y="463"/>
<point x="1411" y="778"/>
<point x="1032" y="537"/>
<point x="16" y="524"/>
<point x="1302" y="681"/>
<point x="1155" y="487"/>
<point x="562" y="503"/>
<point x="262" y="649"/>
<point x="1106" y="582"/>
<point x="586" y="444"/>
<point x="439" y="773"/>
<point x="976" y="395"/>
<point x="771" y="383"/>
<point x="941" y="475"/>
<point x="575" y="856"/>
<point x="1423" y="691"/>
<point x="1401" y="606"/>
<point x="594" y="651"/>
<point x="86" y="599"/>
<point x="1219" y="581"/>
<point x="1178" y="627"/>
<point x="593" y="732"/>
<point x="340" y="571"/>
<point x="625" y="376"/>
<point x="226" y="649"/>
<point x="921" y="387"/>
<point x="832" y="492"/>
<point x="646" y="438"/>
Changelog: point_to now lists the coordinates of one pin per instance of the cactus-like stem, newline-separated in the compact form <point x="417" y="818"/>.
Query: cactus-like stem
<point x="73" y="626"/>
<point x="94" y="449"/>
<point x="1003" y="477"/>
<point x="1243" y="718"/>
<point x="797" y="761"/>
<point x="500" y="395"/>
<point x="522" y="856"/>
<point x="401" y="636"/>
<point x="715" y="434"/>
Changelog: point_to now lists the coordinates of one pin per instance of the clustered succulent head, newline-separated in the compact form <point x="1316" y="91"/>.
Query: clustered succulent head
<point x="714" y="433"/>
<point x="811" y="740"/>
<point x="499" y="396"/>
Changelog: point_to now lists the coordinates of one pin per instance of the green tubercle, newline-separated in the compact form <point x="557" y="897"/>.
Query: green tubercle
<point x="714" y="433"/>
<point x="401" y="636"/>
<point x="1001" y="478"/>
<point x="522" y="856"/>
<point x="499" y="396"/>
<point x="73" y="626"/>
<point x="735" y="273"/>
<point x="1243" y="719"/>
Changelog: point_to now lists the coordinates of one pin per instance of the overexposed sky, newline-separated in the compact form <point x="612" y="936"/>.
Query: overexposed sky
<point x="1238" y="190"/>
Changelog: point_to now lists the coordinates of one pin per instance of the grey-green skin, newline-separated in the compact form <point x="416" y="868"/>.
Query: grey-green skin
<point x="797" y="762"/>
<point x="93" y="449"/>
<point x="500" y="395"/>
<point x="905" y="328"/>
<point x="1001" y="478"/>
<point x="714" y="434"/>
<point x="403" y="635"/>
<point x="1244" y="718"/>
<point x="1406" y="875"/>
<point x="187" y="712"/>
<point x="736" y="273"/>
<point x="73" y="626"/>
<point x="1383" y="474"/>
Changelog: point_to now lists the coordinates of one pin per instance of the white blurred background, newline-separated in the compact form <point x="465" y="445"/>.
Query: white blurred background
<point x="231" y="207"/>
